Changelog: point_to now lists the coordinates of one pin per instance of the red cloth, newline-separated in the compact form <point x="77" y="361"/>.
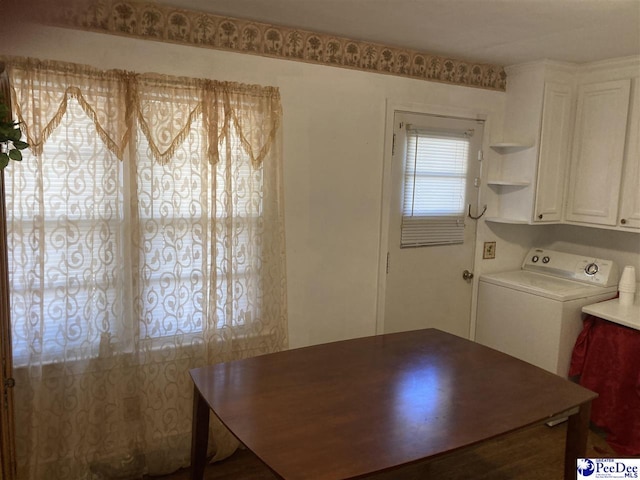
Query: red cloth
<point x="606" y="358"/>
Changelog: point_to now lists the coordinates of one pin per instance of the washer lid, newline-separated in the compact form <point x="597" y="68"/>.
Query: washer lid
<point x="545" y="285"/>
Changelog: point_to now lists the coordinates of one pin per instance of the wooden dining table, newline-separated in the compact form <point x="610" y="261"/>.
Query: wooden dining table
<point x="356" y="407"/>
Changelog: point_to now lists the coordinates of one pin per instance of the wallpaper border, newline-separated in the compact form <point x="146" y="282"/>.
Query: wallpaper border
<point x="153" y="21"/>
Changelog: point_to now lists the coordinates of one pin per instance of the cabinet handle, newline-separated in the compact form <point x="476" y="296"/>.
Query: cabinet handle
<point x="540" y="216"/>
<point x="623" y="221"/>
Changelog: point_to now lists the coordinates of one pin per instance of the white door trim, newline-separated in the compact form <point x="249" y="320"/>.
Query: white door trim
<point x="392" y="107"/>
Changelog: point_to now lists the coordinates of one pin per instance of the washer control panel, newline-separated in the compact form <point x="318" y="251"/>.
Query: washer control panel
<point x="594" y="271"/>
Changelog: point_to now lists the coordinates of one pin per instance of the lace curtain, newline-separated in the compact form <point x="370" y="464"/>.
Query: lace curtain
<point x="145" y="238"/>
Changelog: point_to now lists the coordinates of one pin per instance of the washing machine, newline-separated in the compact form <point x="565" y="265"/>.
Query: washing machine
<point x="535" y="313"/>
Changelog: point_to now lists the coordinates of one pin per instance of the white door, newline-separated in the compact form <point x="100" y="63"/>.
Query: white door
<point x="425" y="287"/>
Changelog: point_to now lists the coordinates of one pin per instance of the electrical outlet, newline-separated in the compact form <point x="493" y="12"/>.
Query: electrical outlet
<point x="489" y="250"/>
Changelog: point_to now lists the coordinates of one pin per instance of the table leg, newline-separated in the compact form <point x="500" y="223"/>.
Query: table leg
<point x="199" y="435"/>
<point x="576" y="443"/>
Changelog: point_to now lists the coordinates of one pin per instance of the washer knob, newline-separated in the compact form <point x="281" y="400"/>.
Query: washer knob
<point x="545" y="259"/>
<point x="591" y="269"/>
<point x="535" y="258"/>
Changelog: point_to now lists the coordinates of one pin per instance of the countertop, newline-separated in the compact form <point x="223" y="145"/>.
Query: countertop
<point x="611" y="310"/>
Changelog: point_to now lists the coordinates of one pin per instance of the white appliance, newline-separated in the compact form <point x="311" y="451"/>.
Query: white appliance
<point x="535" y="313"/>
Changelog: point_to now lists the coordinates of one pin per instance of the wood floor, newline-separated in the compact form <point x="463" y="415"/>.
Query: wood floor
<point x="536" y="453"/>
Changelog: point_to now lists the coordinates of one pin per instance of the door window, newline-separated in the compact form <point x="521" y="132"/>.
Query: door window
<point x="435" y="174"/>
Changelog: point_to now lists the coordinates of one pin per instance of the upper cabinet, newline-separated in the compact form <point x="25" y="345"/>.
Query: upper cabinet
<point x="527" y="170"/>
<point x="598" y="152"/>
<point x="604" y="178"/>
<point x="578" y="160"/>
<point x="629" y="212"/>
<point x="554" y="152"/>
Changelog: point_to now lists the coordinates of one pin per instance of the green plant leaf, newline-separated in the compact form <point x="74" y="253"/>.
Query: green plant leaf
<point x="15" y="134"/>
<point x="15" y="154"/>
<point x="10" y="135"/>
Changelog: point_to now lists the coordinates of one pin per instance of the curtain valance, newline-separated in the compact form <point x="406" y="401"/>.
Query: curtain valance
<point x="164" y="106"/>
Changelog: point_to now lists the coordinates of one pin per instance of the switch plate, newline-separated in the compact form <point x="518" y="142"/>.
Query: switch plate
<point x="489" y="250"/>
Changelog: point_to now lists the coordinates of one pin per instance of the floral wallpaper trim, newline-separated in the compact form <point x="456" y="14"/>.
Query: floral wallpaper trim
<point x="159" y="22"/>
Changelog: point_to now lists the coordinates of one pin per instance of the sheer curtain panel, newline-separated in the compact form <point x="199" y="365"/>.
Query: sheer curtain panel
<point x="145" y="237"/>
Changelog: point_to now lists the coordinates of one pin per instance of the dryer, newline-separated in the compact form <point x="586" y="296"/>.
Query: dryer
<point x="535" y="313"/>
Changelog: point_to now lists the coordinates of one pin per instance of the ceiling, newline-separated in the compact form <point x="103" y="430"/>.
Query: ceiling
<point x="503" y="32"/>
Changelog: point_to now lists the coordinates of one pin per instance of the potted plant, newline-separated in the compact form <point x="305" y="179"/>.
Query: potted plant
<point x="10" y="135"/>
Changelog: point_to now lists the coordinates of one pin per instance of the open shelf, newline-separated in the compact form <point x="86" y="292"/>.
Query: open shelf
<point x="508" y="183"/>
<point x="507" y="147"/>
<point x="506" y="220"/>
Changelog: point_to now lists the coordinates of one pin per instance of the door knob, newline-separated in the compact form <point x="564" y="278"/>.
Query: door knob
<point x="467" y="275"/>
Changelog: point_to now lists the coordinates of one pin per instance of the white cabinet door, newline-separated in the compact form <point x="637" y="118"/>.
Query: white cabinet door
<point x="629" y="215"/>
<point x="554" y="151"/>
<point x="598" y="149"/>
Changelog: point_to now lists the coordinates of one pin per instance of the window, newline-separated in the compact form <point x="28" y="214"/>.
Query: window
<point x="188" y="198"/>
<point x="435" y="175"/>
<point x="65" y="225"/>
<point x="155" y="228"/>
<point x="85" y="259"/>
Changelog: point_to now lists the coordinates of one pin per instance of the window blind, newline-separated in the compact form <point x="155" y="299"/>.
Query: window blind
<point x="435" y="177"/>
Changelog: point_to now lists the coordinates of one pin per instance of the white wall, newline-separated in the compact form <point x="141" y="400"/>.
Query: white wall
<point x="621" y="247"/>
<point x="334" y="131"/>
<point x="514" y="241"/>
